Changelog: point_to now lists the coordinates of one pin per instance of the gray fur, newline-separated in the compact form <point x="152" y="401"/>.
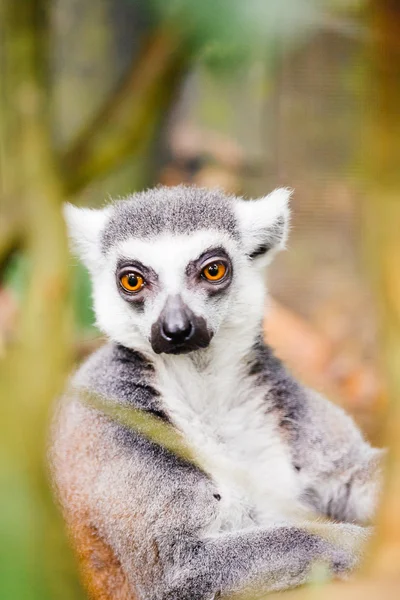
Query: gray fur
<point x="163" y="550"/>
<point x="180" y="209"/>
<point x="196" y="531"/>
<point x="131" y="382"/>
<point x="285" y="395"/>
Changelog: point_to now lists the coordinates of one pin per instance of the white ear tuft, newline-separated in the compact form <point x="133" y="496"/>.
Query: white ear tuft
<point x="84" y="227"/>
<point x="264" y="224"/>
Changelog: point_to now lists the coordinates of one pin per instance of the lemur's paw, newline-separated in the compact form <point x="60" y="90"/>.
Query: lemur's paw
<point x="353" y="539"/>
<point x="342" y="563"/>
<point x="337" y="562"/>
<point x="344" y="538"/>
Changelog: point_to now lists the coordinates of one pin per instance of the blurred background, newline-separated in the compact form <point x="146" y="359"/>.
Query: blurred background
<point x="101" y="98"/>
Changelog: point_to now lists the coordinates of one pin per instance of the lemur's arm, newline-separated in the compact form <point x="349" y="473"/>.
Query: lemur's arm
<point x="157" y="513"/>
<point x="341" y="471"/>
<point x="261" y="561"/>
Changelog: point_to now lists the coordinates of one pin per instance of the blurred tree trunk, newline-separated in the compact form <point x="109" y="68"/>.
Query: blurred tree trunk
<point x="32" y="372"/>
<point x="382" y="234"/>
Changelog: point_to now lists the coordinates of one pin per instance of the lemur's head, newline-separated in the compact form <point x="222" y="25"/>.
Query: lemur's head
<point x="177" y="266"/>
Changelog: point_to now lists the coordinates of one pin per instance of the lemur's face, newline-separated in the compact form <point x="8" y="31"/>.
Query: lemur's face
<point x="173" y="267"/>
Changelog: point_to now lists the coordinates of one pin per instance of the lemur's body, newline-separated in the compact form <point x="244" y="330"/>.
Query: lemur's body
<point x="270" y="455"/>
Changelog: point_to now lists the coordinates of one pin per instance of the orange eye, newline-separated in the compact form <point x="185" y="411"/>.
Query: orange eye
<point x="214" y="271"/>
<point x="132" y="282"/>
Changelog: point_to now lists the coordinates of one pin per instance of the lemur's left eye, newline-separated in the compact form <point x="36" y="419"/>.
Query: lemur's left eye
<point x="131" y="282"/>
<point x="214" y="271"/>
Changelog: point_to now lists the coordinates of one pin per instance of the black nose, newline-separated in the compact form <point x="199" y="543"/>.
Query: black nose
<point x="176" y="326"/>
<point x="178" y="330"/>
<point x="177" y="333"/>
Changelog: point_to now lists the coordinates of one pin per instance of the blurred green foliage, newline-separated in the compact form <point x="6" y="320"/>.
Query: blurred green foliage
<point x="16" y="278"/>
<point x="227" y="33"/>
<point x="82" y="301"/>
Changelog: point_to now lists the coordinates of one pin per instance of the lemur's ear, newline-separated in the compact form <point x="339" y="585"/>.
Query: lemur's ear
<point x="84" y="227"/>
<point x="264" y="224"/>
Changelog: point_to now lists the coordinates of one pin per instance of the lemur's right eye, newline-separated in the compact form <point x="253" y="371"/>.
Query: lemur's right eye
<point x="214" y="271"/>
<point x="132" y="282"/>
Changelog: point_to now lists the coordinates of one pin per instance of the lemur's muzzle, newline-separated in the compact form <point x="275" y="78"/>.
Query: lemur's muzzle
<point x="178" y="330"/>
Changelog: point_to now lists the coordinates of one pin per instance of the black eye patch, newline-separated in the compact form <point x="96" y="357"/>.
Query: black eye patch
<point x="150" y="277"/>
<point x="196" y="265"/>
<point x="148" y="273"/>
<point x="195" y="268"/>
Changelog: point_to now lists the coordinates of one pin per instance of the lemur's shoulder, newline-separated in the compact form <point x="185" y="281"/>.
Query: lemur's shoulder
<point x="122" y="376"/>
<point x="110" y="377"/>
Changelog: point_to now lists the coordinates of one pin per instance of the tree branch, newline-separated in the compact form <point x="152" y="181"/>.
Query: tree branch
<point x="130" y="116"/>
<point x="10" y="234"/>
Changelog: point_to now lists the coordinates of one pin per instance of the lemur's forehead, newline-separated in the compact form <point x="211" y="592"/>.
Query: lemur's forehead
<point x="163" y="211"/>
<point x="173" y="253"/>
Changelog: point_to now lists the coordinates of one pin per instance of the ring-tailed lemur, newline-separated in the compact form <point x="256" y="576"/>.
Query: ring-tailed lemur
<point x="178" y="288"/>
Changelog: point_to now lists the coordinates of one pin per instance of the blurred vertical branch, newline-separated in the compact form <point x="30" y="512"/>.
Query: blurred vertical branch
<point x="32" y="372"/>
<point x="383" y="252"/>
<point x="38" y="194"/>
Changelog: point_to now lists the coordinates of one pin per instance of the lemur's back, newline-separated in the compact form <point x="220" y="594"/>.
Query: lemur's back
<point x="77" y="460"/>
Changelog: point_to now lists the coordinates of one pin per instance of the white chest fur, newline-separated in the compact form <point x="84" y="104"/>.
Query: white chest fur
<point x="237" y="440"/>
